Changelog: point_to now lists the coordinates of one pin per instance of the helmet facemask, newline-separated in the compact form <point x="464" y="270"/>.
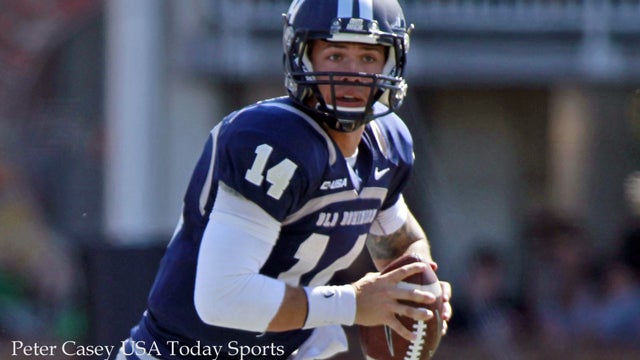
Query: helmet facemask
<point x="303" y="83"/>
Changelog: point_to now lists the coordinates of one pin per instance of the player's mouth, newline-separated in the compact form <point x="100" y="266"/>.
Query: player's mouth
<point x="350" y="100"/>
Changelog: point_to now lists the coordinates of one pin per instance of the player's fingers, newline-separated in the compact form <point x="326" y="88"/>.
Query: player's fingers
<point x="446" y="290"/>
<point x="445" y="327"/>
<point x="405" y="271"/>
<point x="447" y="311"/>
<point x="433" y="265"/>
<point x="397" y="326"/>
<point x="412" y="312"/>
<point x="414" y="295"/>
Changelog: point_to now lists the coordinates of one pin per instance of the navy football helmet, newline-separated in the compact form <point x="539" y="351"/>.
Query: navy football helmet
<point x="379" y="22"/>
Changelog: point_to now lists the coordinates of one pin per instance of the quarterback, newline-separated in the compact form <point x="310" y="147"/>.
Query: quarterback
<point x="289" y="191"/>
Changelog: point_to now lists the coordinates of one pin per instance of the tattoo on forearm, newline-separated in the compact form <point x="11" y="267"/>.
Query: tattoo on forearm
<point x="392" y="245"/>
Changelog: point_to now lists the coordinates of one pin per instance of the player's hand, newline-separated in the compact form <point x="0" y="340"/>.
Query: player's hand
<point x="447" y="312"/>
<point x="377" y="299"/>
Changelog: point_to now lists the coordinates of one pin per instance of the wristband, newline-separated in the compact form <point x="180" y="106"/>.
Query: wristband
<point x="330" y="305"/>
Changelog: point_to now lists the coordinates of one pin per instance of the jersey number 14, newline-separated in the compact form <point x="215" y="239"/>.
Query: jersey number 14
<point x="279" y="176"/>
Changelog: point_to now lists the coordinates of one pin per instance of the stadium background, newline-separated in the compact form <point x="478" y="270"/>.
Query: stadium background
<point x="525" y="114"/>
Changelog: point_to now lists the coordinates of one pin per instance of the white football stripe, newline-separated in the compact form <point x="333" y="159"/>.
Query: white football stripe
<point x="434" y="288"/>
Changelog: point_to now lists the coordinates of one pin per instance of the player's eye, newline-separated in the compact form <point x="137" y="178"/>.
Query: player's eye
<point x="372" y="57"/>
<point x="369" y="59"/>
<point x="334" y="57"/>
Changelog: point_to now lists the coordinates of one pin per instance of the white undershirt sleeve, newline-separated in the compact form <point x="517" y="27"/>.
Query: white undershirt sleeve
<point x="390" y="220"/>
<point x="229" y="291"/>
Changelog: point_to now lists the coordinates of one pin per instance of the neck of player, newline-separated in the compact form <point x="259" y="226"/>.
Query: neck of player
<point x="347" y="141"/>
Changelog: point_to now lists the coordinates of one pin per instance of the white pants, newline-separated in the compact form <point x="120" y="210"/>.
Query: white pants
<point x="323" y="343"/>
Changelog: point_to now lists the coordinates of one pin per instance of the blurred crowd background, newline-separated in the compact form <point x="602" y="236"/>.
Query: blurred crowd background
<point x="526" y="121"/>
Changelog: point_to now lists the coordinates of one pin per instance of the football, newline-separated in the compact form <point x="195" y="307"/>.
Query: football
<point x="382" y="343"/>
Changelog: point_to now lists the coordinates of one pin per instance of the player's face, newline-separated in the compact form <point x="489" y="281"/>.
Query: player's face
<point x="347" y="57"/>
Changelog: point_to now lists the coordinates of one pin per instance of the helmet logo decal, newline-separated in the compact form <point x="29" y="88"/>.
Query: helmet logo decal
<point x="355" y="24"/>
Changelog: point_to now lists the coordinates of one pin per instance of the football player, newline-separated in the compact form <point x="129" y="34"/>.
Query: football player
<point x="288" y="191"/>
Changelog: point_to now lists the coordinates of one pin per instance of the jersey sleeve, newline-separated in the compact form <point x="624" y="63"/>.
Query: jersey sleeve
<point x="391" y="219"/>
<point x="265" y="157"/>
<point x="400" y="152"/>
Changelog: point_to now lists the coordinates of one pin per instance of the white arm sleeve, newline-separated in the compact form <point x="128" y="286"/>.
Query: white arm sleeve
<point x="391" y="219"/>
<point x="238" y="239"/>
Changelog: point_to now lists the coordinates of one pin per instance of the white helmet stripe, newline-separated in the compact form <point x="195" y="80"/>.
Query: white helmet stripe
<point x="366" y="9"/>
<point x="345" y="9"/>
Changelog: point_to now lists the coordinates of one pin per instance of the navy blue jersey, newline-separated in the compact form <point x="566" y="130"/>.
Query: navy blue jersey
<point x="277" y="156"/>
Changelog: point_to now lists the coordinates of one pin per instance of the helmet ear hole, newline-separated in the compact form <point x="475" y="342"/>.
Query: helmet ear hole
<point x="306" y="50"/>
<point x="390" y="65"/>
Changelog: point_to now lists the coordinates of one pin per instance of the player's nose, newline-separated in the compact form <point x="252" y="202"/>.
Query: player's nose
<point x="352" y="65"/>
<point x="354" y="75"/>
